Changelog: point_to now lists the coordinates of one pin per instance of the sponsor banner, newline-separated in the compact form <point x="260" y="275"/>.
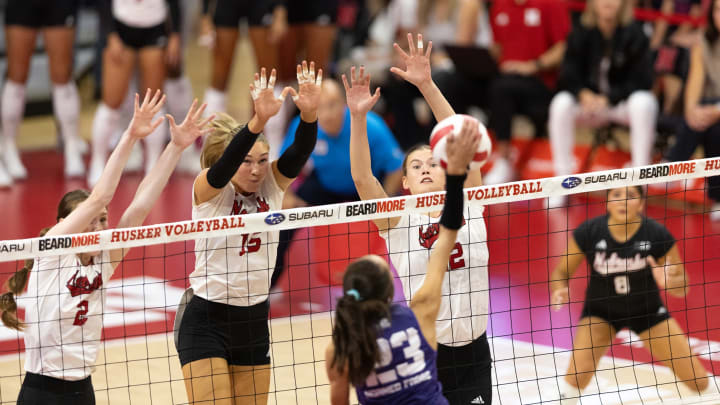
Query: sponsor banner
<point x="351" y="212"/>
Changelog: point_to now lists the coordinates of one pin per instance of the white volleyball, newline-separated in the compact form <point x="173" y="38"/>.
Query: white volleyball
<point x="451" y="127"/>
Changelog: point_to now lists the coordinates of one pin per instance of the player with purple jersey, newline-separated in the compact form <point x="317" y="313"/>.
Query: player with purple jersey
<point x="388" y="351"/>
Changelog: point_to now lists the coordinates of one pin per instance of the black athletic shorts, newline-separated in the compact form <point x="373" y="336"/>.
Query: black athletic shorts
<point x="239" y="335"/>
<point x="42" y="13"/>
<point x="42" y="390"/>
<point x="465" y="372"/>
<point x="319" y="12"/>
<point x="636" y="321"/>
<point x="138" y="38"/>
<point x="228" y="13"/>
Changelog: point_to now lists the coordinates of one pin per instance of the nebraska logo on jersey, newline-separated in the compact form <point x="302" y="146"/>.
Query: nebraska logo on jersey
<point x="262" y="206"/>
<point x="81" y="285"/>
<point x="430" y="234"/>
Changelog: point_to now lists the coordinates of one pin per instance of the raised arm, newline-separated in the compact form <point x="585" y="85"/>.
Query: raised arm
<point x="569" y="262"/>
<point x="211" y="181"/>
<point x="360" y="102"/>
<point x="426" y="302"/>
<point x="141" y="126"/>
<point x="417" y="72"/>
<point x="289" y="165"/>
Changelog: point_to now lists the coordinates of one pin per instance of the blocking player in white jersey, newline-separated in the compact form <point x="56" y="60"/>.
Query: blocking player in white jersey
<point x="65" y="297"/>
<point x="463" y="350"/>
<point x="143" y="34"/>
<point x="223" y="337"/>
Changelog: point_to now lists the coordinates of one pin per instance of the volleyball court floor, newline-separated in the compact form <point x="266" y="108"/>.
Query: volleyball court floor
<point x="530" y="343"/>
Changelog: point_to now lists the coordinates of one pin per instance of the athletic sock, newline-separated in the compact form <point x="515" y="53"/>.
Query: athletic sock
<point x="215" y="100"/>
<point x="13" y="108"/>
<point x="155" y="142"/>
<point x="104" y="125"/>
<point x="66" y="104"/>
<point x="179" y="97"/>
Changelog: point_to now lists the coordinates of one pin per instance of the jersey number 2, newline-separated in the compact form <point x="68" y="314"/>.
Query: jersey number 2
<point x="412" y="352"/>
<point x="456" y="257"/>
<point x="81" y="315"/>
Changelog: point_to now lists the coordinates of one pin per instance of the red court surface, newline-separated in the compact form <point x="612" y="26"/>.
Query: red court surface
<point x="525" y="241"/>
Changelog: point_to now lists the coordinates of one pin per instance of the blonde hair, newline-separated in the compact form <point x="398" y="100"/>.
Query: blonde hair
<point x="624" y="17"/>
<point x="224" y="129"/>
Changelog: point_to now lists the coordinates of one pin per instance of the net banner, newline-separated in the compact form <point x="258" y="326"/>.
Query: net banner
<point x="11" y="250"/>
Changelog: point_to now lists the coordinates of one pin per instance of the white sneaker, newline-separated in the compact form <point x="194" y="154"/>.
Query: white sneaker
<point x="556" y="201"/>
<point x="501" y="172"/>
<point x="135" y="161"/>
<point x="96" y="168"/>
<point x="11" y="157"/>
<point x="74" y="166"/>
<point x="5" y="178"/>
<point x="189" y="161"/>
<point x="715" y="212"/>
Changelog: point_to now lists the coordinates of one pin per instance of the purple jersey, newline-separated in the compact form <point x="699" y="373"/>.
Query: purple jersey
<point x="407" y="371"/>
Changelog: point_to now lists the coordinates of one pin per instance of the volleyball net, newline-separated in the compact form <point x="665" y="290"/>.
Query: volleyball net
<point x="531" y="342"/>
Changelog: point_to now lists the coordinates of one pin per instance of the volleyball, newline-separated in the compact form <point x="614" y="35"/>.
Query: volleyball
<point x="451" y="127"/>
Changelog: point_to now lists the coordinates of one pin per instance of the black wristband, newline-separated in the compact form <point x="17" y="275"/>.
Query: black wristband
<point x="294" y="158"/>
<point x="222" y="171"/>
<point x="452" y="215"/>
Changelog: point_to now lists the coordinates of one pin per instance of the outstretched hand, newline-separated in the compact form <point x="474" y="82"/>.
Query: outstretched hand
<point x="417" y="62"/>
<point x="669" y="276"/>
<point x="262" y="91"/>
<point x="307" y="98"/>
<point x="560" y="297"/>
<point x="357" y="93"/>
<point x="142" y="123"/>
<point x="192" y="127"/>
<point x="462" y="147"/>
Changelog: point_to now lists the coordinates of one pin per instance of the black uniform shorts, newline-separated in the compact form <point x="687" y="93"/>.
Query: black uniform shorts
<point x="228" y="13"/>
<point x="42" y="13"/>
<point x="239" y="335"/>
<point x="138" y="38"/>
<point x="43" y="390"/>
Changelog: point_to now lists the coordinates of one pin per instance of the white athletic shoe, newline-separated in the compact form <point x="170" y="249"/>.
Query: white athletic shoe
<point x="189" y="161"/>
<point x="11" y="157"/>
<point x="501" y="172"/>
<point x="5" y="178"/>
<point x="715" y="212"/>
<point x="74" y="166"/>
<point x="135" y="161"/>
<point x="96" y="169"/>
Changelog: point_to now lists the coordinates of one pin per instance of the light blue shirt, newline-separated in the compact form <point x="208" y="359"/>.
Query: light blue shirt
<point x="331" y="157"/>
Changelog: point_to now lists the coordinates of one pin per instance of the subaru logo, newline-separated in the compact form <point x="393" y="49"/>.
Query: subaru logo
<point x="274" y="219"/>
<point x="571" y="182"/>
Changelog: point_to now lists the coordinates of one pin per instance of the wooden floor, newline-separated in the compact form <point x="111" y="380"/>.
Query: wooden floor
<point x="146" y="370"/>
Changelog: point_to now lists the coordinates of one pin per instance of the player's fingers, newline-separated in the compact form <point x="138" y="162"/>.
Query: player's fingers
<point x="273" y="78"/>
<point x="420" y="44"/>
<point x="155" y="97"/>
<point x="311" y="75"/>
<point x="361" y="76"/>
<point x="206" y="121"/>
<point x="159" y="105"/>
<point x="156" y="124"/>
<point x="171" y="121"/>
<point x="398" y="72"/>
<point x="199" y="113"/>
<point x="291" y="91"/>
<point x="318" y="81"/>
<point x="345" y="83"/>
<point x="146" y="99"/>
<point x="137" y="102"/>
<point x="411" y="44"/>
<point x="253" y="92"/>
<point x="400" y="51"/>
<point x="376" y="96"/>
<point x="190" y="116"/>
<point x="429" y="48"/>
<point x="263" y="79"/>
<point x="651" y="261"/>
<point x="305" y="72"/>
<point x="353" y="78"/>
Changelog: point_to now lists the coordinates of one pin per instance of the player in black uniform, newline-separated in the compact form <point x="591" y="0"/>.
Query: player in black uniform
<point x="632" y="257"/>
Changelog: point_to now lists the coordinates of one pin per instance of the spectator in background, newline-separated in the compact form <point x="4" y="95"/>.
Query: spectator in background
<point x="670" y="44"/>
<point x="530" y="43"/>
<point x="445" y="22"/>
<point x="56" y="21"/>
<point x="330" y="181"/>
<point x="605" y="77"/>
<point x="702" y="112"/>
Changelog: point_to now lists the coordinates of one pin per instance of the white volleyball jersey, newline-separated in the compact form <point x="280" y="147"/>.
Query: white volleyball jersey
<point x="63" y="315"/>
<point x="236" y="269"/>
<point x="140" y="13"/>
<point x="464" y="306"/>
